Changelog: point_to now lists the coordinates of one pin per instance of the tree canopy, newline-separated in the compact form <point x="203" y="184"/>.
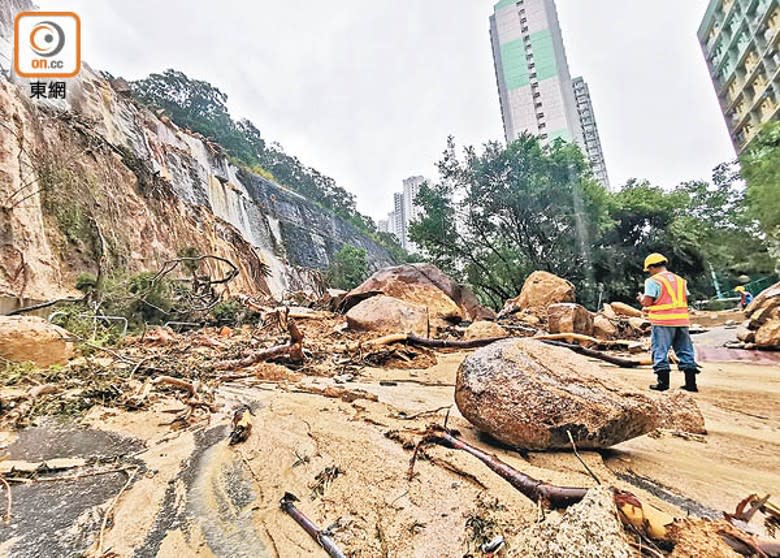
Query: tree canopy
<point x="497" y="214"/>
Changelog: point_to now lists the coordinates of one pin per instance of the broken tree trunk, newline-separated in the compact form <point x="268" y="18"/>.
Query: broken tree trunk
<point x="621" y="362"/>
<point x="321" y="536"/>
<point x="633" y="511"/>
<point x="292" y="350"/>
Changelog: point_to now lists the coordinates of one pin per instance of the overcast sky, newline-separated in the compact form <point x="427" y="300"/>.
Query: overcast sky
<point x="367" y="91"/>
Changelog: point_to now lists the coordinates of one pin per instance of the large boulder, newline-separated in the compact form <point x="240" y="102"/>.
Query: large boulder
<point x="27" y="338"/>
<point x="539" y="291"/>
<point x="422" y="284"/>
<point x="568" y="317"/>
<point x="385" y="314"/>
<point x="529" y="394"/>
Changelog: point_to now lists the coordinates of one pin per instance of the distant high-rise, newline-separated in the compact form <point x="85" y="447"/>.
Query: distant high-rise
<point x="535" y="88"/>
<point x="405" y="211"/>
<point x="740" y="40"/>
<point x="590" y="131"/>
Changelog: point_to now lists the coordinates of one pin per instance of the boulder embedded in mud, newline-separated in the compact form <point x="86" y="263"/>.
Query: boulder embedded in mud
<point x="529" y="394"/>
<point x="385" y="314"/>
<point x="622" y="309"/>
<point x="539" y="291"/>
<point x="422" y="284"/>
<point x="27" y="338"/>
<point x="568" y="317"/>
<point x="589" y="528"/>
<point x="603" y="328"/>
<point x="484" y="329"/>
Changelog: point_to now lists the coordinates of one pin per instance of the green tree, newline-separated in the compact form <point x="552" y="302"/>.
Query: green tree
<point x="348" y="269"/>
<point x="497" y="215"/>
<point x="761" y="169"/>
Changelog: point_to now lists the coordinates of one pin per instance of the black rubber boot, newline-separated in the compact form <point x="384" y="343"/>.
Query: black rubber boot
<point x="690" y="380"/>
<point x="663" y="381"/>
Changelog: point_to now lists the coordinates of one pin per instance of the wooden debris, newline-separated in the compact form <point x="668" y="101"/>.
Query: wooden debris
<point x="242" y="425"/>
<point x="293" y="350"/>
<point x="621" y="362"/>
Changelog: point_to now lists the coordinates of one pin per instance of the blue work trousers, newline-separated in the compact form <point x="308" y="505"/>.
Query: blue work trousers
<point x="677" y="338"/>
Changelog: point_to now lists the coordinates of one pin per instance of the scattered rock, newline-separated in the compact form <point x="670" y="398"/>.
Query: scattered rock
<point x="609" y="312"/>
<point x="745" y="334"/>
<point x="678" y="412"/>
<point x="763" y="319"/>
<point x="603" y="328"/>
<point x="623" y="309"/>
<point x="588" y="529"/>
<point x="28" y="338"/>
<point x="385" y="314"/>
<point x="568" y="317"/>
<point x="639" y="325"/>
<point x="539" y="291"/>
<point x="332" y="299"/>
<point x="484" y="329"/>
<point x="422" y="284"/>
<point x="529" y="394"/>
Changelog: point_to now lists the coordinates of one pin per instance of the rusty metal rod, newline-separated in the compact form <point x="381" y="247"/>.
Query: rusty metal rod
<point x="322" y="537"/>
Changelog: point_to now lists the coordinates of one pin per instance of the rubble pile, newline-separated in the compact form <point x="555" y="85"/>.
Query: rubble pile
<point x="547" y="301"/>
<point x="761" y="329"/>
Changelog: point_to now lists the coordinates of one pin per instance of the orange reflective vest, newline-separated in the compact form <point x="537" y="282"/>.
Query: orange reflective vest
<point x="671" y="306"/>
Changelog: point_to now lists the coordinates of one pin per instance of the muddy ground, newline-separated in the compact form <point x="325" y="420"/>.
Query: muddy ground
<point x="186" y="492"/>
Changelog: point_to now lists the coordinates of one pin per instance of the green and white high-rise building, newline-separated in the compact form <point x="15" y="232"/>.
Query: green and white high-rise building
<point x="534" y="84"/>
<point x="741" y="43"/>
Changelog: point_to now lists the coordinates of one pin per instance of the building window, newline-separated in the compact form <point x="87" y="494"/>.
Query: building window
<point x="532" y="75"/>
<point x="538" y="105"/>
<point x="539" y="115"/>
<point x="537" y="95"/>
<point x="542" y="125"/>
<point x="543" y="136"/>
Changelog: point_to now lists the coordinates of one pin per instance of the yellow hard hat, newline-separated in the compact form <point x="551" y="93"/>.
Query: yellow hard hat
<point x="739" y="289"/>
<point x="654" y="259"/>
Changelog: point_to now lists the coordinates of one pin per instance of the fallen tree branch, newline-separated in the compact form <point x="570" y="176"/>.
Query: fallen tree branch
<point x="44" y="305"/>
<point x="621" y="362"/>
<point x="9" y="500"/>
<point x="110" y="510"/>
<point x="417" y="341"/>
<point x="322" y="537"/>
<point x="292" y="350"/>
<point x="190" y="387"/>
<point x="535" y="490"/>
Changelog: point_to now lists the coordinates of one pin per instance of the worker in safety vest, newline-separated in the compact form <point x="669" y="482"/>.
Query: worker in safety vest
<point x="666" y="301"/>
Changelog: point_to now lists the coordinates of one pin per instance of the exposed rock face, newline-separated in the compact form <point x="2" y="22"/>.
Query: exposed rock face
<point x="762" y="326"/>
<point x="25" y="338"/>
<point x="568" y="317"/>
<point x="422" y="284"/>
<point x="529" y="394"/>
<point x="107" y="165"/>
<point x="385" y="314"/>
<point x="539" y="291"/>
<point x="603" y="328"/>
<point x="484" y="329"/>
